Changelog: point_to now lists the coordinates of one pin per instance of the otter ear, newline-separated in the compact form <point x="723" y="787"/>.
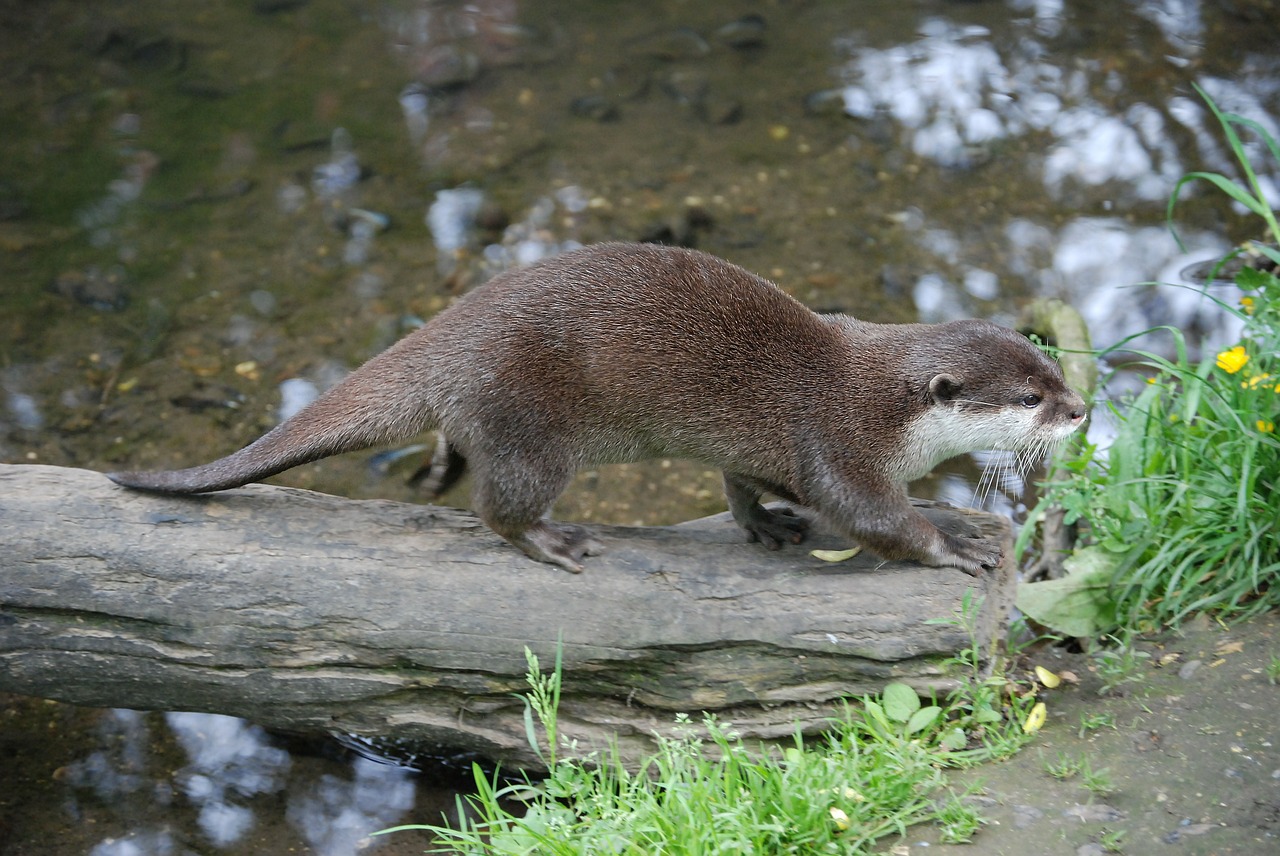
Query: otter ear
<point x="944" y="387"/>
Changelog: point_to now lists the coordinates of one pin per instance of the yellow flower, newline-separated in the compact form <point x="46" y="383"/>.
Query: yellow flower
<point x="1233" y="360"/>
<point x="1255" y="381"/>
<point x="1036" y="718"/>
<point x="1266" y="426"/>
<point x="1246" y="303"/>
<point x="841" y="819"/>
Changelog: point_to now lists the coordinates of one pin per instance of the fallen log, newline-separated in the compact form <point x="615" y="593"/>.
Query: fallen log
<point x="312" y="613"/>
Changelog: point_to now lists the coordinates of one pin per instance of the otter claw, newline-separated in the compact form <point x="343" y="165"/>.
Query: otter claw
<point x="773" y="528"/>
<point x="973" y="555"/>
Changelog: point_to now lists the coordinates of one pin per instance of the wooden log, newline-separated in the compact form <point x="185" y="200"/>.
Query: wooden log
<point x="309" y="612"/>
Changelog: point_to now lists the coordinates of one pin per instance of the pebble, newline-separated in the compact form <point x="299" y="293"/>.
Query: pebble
<point x="159" y="54"/>
<point x="626" y="82"/>
<point x="263" y="302"/>
<point x="1187" y="828"/>
<point x="721" y="111"/>
<point x="746" y="33"/>
<point x="597" y="107"/>
<point x="447" y="67"/>
<point x="1094" y="813"/>
<point x="1025" y="815"/>
<point x="685" y="86"/>
<point x="273" y="7"/>
<point x="825" y="102"/>
<point x="364" y="220"/>
<point x="291" y="197"/>
<point x="680" y="44"/>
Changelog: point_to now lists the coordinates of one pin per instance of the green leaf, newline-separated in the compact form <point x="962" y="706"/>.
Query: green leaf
<point x="1079" y="604"/>
<point x="987" y="715"/>
<point x="922" y="719"/>
<point x="876" y="712"/>
<point x="954" y="740"/>
<point x="900" y="702"/>
<point x="1252" y="279"/>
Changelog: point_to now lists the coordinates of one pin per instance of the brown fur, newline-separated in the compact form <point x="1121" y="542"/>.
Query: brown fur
<point x="620" y="352"/>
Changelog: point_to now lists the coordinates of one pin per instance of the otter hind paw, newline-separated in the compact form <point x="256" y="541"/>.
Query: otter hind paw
<point x="774" y="527"/>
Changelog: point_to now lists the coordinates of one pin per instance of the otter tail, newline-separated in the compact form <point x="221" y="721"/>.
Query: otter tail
<point x="375" y="404"/>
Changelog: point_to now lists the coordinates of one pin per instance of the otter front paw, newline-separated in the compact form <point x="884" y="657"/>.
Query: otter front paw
<point x="774" y="527"/>
<point x="971" y="555"/>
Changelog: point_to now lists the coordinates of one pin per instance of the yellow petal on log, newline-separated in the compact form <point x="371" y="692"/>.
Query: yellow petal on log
<point x="1036" y="718"/>
<point x="1046" y="677"/>
<point x="835" y="555"/>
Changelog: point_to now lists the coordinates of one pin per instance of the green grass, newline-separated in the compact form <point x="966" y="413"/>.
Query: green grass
<point x="878" y="771"/>
<point x="1179" y="514"/>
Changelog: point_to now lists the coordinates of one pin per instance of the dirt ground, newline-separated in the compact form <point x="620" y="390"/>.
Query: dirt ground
<point x="1183" y="758"/>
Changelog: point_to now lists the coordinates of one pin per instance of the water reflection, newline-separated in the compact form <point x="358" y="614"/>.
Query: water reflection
<point x="230" y="761"/>
<point x="231" y="772"/>
<point x="955" y="93"/>
<point x="336" y="815"/>
<point x="120" y="766"/>
<point x="1124" y="278"/>
<point x="157" y="843"/>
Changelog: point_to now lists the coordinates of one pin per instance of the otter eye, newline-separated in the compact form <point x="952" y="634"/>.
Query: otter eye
<point x="1030" y="400"/>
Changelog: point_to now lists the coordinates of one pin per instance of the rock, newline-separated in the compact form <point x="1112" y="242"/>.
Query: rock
<point x="98" y="289"/>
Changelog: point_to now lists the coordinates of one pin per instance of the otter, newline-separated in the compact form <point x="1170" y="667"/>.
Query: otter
<point x="619" y="352"/>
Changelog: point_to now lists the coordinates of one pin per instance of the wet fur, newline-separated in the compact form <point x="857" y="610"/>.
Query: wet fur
<point x="620" y="352"/>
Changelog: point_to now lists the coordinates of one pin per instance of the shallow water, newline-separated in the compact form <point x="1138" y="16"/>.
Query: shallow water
<point x="205" y="213"/>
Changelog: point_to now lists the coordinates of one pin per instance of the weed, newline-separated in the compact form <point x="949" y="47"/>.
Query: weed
<point x="958" y="821"/>
<point x="1065" y="767"/>
<point x="1273" y="669"/>
<point x="1179" y="510"/>
<point x="1112" y="840"/>
<point x="1096" y="782"/>
<point x="1119" y="662"/>
<point x="987" y="702"/>
<point x="1095" y="721"/>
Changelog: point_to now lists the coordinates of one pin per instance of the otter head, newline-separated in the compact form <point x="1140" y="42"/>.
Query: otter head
<point x="990" y="389"/>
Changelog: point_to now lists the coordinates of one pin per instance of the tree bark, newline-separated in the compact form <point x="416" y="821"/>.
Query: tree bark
<point x="313" y="613"/>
